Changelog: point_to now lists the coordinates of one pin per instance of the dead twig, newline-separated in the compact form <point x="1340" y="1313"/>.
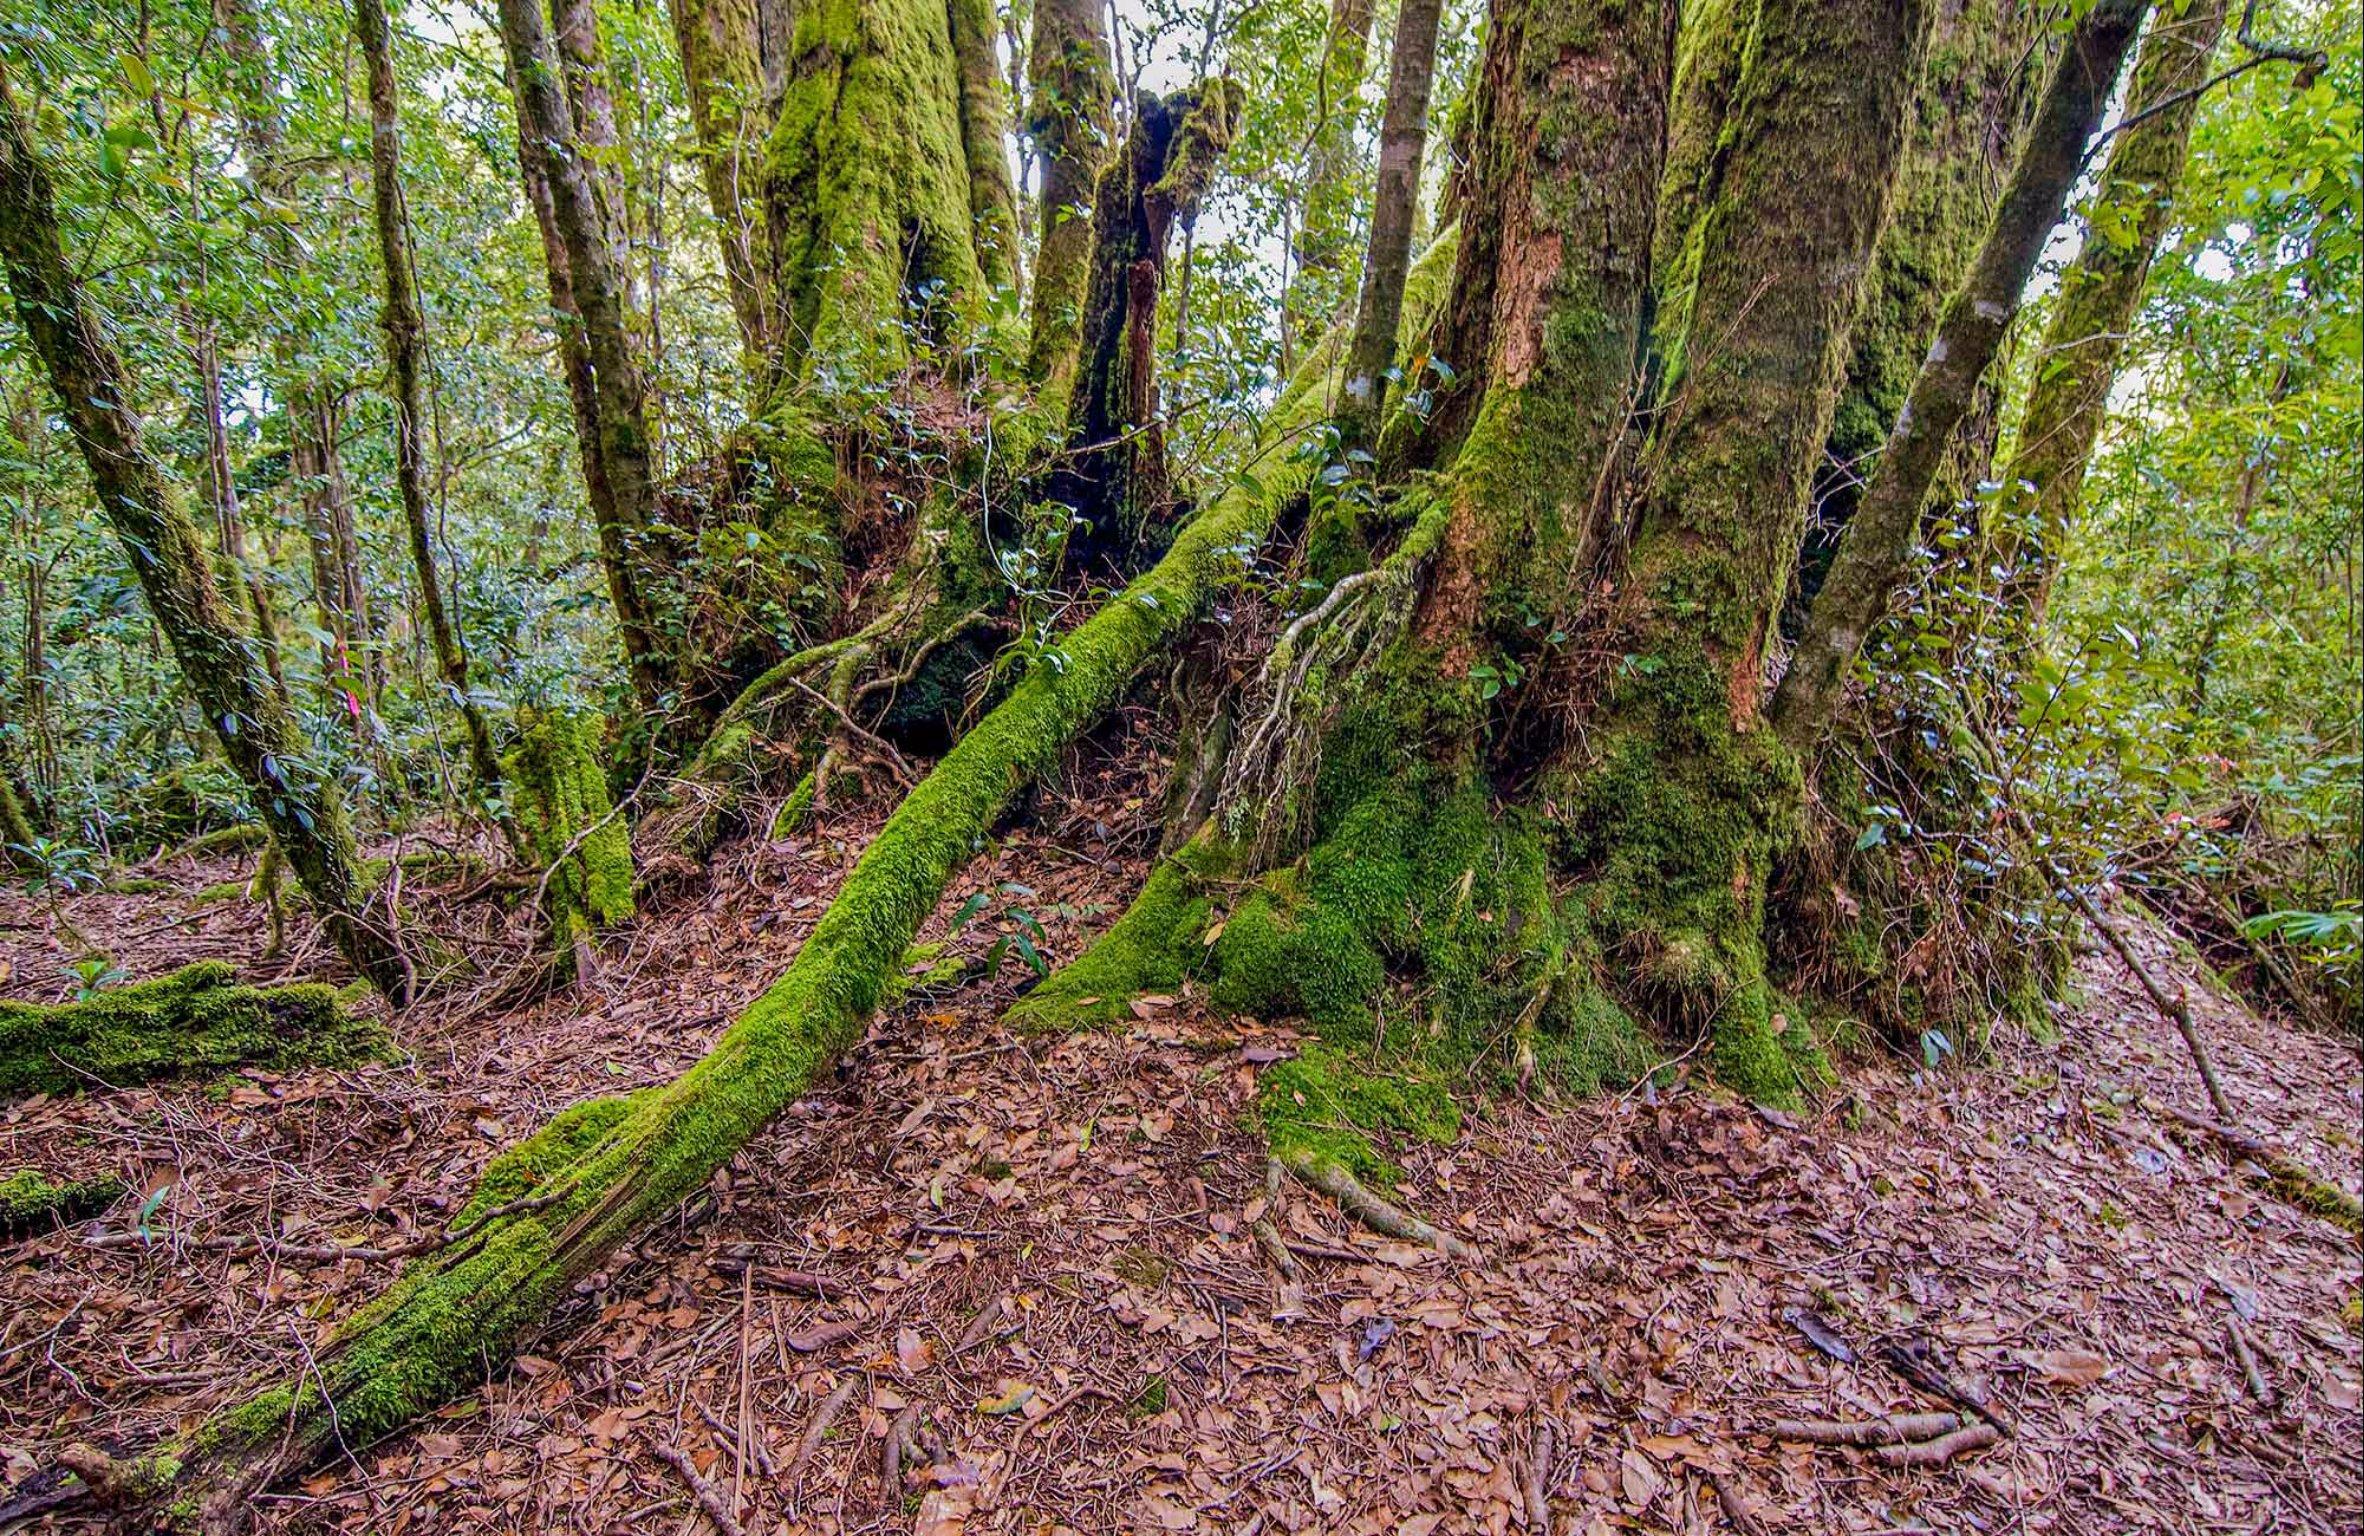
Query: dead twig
<point x="332" y="1253"/>
<point x="2292" y="1181"/>
<point x="823" y="1417"/>
<point x="2246" y="1358"/>
<point x="710" y="1498"/>
<point x="1539" y="1479"/>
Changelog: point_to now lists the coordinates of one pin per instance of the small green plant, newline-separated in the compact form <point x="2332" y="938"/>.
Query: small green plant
<point x="1025" y="935"/>
<point x="94" y="974"/>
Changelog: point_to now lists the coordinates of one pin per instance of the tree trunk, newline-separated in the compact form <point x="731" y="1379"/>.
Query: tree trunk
<point x="229" y="518"/>
<point x="405" y="348"/>
<point x="617" y="394"/>
<point x="1114" y="477"/>
<point x="1071" y="119"/>
<point x="984" y="130"/>
<point x="1876" y="550"/>
<point x="2078" y="357"/>
<point x="220" y="659"/>
<point x="868" y="189"/>
<point x="16" y="804"/>
<point x="1325" y="235"/>
<point x="1403" y="135"/>
<point x="722" y="64"/>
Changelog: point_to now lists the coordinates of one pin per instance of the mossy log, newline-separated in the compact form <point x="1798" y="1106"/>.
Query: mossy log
<point x="31" y="1202"/>
<point x="198" y="1019"/>
<point x="613" y="1169"/>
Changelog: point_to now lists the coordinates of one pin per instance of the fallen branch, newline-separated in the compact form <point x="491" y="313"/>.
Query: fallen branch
<point x="1336" y="1180"/>
<point x="818" y="1430"/>
<point x="1915" y="1363"/>
<point x="718" y="1509"/>
<point x="1937" y="1452"/>
<point x="329" y="1253"/>
<point x="1268" y="1236"/>
<point x="1539" y="1479"/>
<point x="1867" y="1432"/>
<point x="2292" y="1181"/>
<point x="2259" y="1387"/>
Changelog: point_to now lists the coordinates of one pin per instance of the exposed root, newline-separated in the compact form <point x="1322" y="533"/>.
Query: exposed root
<point x="1896" y="1430"/>
<point x="2292" y="1181"/>
<point x="1937" y="1452"/>
<point x="1275" y="1248"/>
<point x="1336" y="1180"/>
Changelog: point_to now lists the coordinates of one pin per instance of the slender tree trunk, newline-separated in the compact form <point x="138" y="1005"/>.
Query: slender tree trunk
<point x="984" y="134"/>
<point x="405" y="348"/>
<point x="16" y="802"/>
<point x="1403" y="135"/>
<point x="1876" y="550"/>
<point x="721" y="46"/>
<point x="2099" y="293"/>
<point x="618" y="394"/>
<point x="300" y="805"/>
<point x="229" y="516"/>
<point x="1333" y="192"/>
<point x="1071" y="120"/>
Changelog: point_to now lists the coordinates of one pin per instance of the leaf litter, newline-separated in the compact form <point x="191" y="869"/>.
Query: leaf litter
<point x="1029" y="1266"/>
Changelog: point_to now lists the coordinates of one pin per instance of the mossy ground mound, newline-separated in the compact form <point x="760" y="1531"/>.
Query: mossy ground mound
<point x="32" y="1202"/>
<point x="198" y="1019"/>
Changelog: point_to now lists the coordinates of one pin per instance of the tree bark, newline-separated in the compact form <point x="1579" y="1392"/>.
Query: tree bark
<point x="405" y="348"/>
<point x="722" y="64"/>
<point x="1114" y="476"/>
<point x="618" y="393"/>
<point x="2078" y="357"/>
<point x="229" y="516"/>
<point x="296" y="800"/>
<point x="868" y="189"/>
<point x="1876" y="550"/>
<point x="1403" y="135"/>
<point x="984" y="134"/>
<point x="1071" y="119"/>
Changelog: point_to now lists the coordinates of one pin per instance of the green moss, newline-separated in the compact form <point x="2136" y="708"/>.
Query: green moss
<point x="1327" y="1105"/>
<point x="559" y="794"/>
<point x="572" y="1132"/>
<point x="197" y="1019"/>
<point x="1158" y="942"/>
<point x="31" y="1202"/>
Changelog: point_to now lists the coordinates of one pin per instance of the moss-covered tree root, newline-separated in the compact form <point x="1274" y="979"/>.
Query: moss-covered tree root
<point x="429" y="1337"/>
<point x="198" y="1019"/>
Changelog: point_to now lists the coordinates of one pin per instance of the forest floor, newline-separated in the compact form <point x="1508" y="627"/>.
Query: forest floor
<point x="1037" y="1256"/>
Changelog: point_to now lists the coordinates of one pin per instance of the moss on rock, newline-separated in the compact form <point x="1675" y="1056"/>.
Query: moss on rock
<point x="198" y="1019"/>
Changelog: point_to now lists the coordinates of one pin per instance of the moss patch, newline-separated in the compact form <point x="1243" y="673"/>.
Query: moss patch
<point x="570" y="825"/>
<point x="31" y="1202"/>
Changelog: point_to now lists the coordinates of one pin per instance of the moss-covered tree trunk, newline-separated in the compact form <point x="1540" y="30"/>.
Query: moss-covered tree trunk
<point x="197" y="1019"/>
<point x="722" y="64"/>
<point x="2077" y="359"/>
<point x="871" y="186"/>
<point x="611" y="397"/>
<point x="1070" y="117"/>
<point x="405" y="346"/>
<point x="296" y="799"/>
<point x="1877" y="546"/>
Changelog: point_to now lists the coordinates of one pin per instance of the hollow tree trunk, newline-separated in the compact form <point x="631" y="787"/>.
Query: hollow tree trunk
<point x="1114" y="476"/>
<point x="219" y="658"/>
<point x="623" y="487"/>
<point x="1877" y="547"/>
<point x="1071" y="118"/>
<point x="2078" y="357"/>
<point x="405" y="345"/>
<point x="1403" y="135"/>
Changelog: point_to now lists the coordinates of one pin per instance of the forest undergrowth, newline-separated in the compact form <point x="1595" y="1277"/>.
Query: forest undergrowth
<point x="994" y="1279"/>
